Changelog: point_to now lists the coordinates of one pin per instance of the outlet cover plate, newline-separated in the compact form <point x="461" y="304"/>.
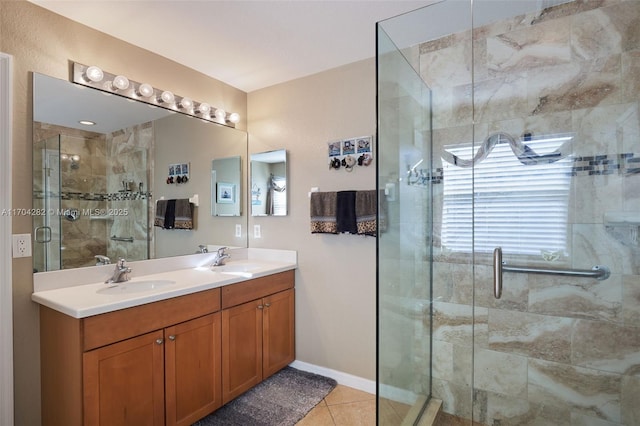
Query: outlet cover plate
<point x="21" y="245"/>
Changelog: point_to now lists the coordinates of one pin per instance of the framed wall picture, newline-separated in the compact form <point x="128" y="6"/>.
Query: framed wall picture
<point x="226" y="193"/>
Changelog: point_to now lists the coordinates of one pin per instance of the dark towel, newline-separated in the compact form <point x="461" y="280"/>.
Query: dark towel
<point x="366" y="211"/>
<point x="161" y="209"/>
<point x="183" y="214"/>
<point x="323" y="213"/>
<point x="170" y="215"/>
<point x="346" y="212"/>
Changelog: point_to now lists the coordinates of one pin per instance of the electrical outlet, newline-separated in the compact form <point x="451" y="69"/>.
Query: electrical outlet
<point x="238" y="230"/>
<point x="257" y="233"/>
<point x="21" y="245"/>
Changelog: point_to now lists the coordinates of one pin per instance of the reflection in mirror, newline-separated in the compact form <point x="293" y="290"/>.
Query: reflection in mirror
<point x="226" y="176"/>
<point x="269" y="183"/>
<point x="97" y="185"/>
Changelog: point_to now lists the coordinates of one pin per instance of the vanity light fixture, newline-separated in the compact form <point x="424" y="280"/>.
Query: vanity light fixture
<point x="95" y="77"/>
<point x="87" y="122"/>
<point x="203" y="108"/>
<point x="186" y="103"/>
<point x="234" y="117"/>
<point x="166" y="97"/>
<point x="93" y="74"/>
<point x="145" y="90"/>
<point x="120" y="82"/>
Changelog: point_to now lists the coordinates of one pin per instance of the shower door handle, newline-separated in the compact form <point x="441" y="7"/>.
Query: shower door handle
<point x="497" y="272"/>
<point x="42" y="234"/>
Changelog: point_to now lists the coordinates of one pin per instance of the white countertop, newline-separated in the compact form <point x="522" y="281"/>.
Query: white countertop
<point x="80" y="300"/>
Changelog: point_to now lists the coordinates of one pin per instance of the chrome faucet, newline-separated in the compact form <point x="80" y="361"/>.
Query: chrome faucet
<point x="220" y="257"/>
<point x="120" y="274"/>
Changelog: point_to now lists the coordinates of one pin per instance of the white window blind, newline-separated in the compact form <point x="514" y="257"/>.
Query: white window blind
<point x="279" y="197"/>
<point x="521" y="208"/>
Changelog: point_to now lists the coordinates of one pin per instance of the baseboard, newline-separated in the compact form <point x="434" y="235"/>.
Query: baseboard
<point x="345" y="379"/>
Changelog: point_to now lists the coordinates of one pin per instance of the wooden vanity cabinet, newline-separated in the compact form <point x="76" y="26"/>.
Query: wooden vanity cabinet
<point x="153" y="364"/>
<point x="258" y="336"/>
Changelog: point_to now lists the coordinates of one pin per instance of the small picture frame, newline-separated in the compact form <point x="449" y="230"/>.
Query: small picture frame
<point x="226" y="193"/>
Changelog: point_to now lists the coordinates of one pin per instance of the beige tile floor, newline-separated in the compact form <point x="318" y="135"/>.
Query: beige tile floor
<point x="345" y="406"/>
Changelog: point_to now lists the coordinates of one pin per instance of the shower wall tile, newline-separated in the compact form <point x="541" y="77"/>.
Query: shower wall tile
<point x="630" y="76"/>
<point x="535" y="336"/>
<point x="595" y="35"/>
<point x="612" y="129"/>
<point x="575" y="85"/>
<point x="576" y="297"/>
<point x="607" y="347"/>
<point x="459" y="324"/>
<point x="515" y="290"/>
<point x="501" y="373"/>
<point x="594" y="195"/>
<point x="593" y="245"/>
<point x="448" y="66"/>
<point x="625" y="18"/>
<point x="508" y="411"/>
<point x="456" y="399"/>
<point x="585" y="391"/>
<point x="521" y="50"/>
<point x="631" y="300"/>
<point x="630" y="406"/>
<point x="579" y="419"/>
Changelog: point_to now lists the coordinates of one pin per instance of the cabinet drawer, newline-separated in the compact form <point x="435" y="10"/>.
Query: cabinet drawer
<point x="103" y="329"/>
<point x="236" y="294"/>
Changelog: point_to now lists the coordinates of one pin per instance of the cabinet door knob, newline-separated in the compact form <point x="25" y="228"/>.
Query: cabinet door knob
<point x="260" y="306"/>
<point x="159" y="341"/>
<point x="266" y="305"/>
<point x="172" y="337"/>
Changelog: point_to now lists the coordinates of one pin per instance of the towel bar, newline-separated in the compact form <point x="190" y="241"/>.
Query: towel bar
<point x="124" y="239"/>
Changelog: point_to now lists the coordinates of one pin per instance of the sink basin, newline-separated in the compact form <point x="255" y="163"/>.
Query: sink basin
<point x="129" y="287"/>
<point x="240" y="269"/>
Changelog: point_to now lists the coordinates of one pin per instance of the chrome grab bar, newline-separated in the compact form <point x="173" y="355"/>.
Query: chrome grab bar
<point x="124" y="239"/>
<point x="497" y="272"/>
<point x="599" y="272"/>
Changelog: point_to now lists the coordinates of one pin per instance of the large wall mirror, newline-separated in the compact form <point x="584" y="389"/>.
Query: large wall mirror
<point x="101" y="163"/>
<point x="269" y="183"/>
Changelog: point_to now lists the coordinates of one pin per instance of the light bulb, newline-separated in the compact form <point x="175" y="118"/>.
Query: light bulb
<point x="234" y="117"/>
<point x="121" y="82"/>
<point x="221" y="114"/>
<point x="186" y="103"/>
<point x="166" y="97"/>
<point x="75" y="157"/>
<point x="94" y="74"/>
<point x="204" y="108"/>
<point x="145" y="90"/>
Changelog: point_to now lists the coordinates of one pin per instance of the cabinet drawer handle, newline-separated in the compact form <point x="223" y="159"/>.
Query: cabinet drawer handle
<point x="159" y="341"/>
<point x="172" y="337"/>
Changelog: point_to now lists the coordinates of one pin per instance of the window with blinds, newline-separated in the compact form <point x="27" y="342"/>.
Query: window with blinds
<point x="279" y="196"/>
<point x="521" y="208"/>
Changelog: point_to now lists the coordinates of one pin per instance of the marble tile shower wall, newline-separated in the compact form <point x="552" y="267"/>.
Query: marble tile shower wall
<point x="553" y="350"/>
<point x="129" y="176"/>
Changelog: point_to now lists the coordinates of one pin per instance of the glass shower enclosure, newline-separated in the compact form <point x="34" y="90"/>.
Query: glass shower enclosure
<point x="509" y="267"/>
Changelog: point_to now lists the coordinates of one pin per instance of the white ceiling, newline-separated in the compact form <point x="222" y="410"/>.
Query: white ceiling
<point x="249" y="44"/>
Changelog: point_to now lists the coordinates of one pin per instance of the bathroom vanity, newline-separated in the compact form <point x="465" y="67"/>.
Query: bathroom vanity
<point x="197" y="345"/>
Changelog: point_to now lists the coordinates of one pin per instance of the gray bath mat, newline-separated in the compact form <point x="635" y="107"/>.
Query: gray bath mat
<point x="281" y="400"/>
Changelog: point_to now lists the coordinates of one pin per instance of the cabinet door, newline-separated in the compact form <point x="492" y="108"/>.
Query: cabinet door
<point x="279" y="333"/>
<point x="241" y="349"/>
<point x="193" y="369"/>
<point x="124" y="382"/>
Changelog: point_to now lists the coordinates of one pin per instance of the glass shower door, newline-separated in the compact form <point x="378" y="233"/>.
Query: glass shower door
<point x="558" y="342"/>
<point x="404" y="257"/>
<point x="46" y="205"/>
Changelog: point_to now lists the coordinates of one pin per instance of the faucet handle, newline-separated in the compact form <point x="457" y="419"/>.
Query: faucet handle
<point x="102" y="260"/>
<point x="121" y="262"/>
<point x="221" y="250"/>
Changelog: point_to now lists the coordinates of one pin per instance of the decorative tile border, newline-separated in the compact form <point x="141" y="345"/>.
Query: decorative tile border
<point x="594" y="165"/>
<point x="92" y="196"/>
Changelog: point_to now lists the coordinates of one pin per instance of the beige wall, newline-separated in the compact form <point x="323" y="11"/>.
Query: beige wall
<point x="335" y="280"/>
<point x="44" y="42"/>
